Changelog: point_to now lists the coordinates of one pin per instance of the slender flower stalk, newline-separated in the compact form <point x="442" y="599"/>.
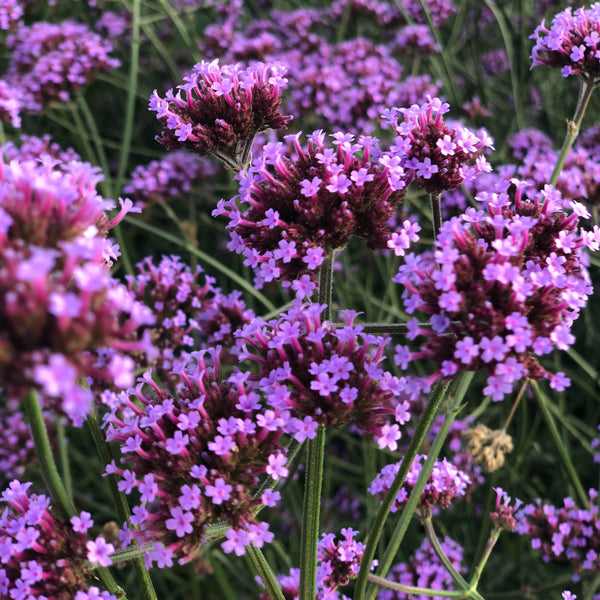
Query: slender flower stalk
<point x="414" y="590"/>
<point x="263" y="569"/>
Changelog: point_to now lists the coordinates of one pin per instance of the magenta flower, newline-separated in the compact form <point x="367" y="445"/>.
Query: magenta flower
<point x="572" y="43"/>
<point x="220" y="109"/>
<point x="196" y="458"/>
<point x="294" y="210"/>
<point x="445" y="484"/>
<point x="506" y="284"/>
<point x="309" y="369"/>
<point x="438" y="155"/>
<point x="42" y="555"/>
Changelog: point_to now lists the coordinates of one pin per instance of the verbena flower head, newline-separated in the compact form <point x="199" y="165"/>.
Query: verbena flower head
<point x="438" y="156"/>
<point x="44" y="557"/>
<point x="196" y="458"/>
<point x="11" y="12"/>
<point x="566" y="534"/>
<point x="11" y="103"/>
<point x="58" y="301"/>
<point x="504" y="515"/>
<point x="172" y="177"/>
<point x="41" y="149"/>
<point x="572" y="44"/>
<point x="324" y="375"/>
<point x="190" y="311"/>
<point x="504" y="288"/>
<point x="440" y="11"/>
<point x="445" y="484"/>
<point x="293" y="210"/>
<point x="219" y="110"/>
<point x="51" y="62"/>
<point x="425" y="570"/>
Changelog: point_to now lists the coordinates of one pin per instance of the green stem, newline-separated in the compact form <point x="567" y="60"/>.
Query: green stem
<point x="326" y="285"/>
<point x="311" y="511"/>
<point x="120" y="502"/>
<point x="436" y="213"/>
<point x="411" y="589"/>
<point x="265" y="572"/>
<point x="63" y="456"/>
<point x="205" y="257"/>
<point x="586" y="87"/>
<point x="131" y="93"/>
<point x="433" y="405"/>
<point x="62" y="502"/>
<point x="544" y="402"/>
<point x="484" y="558"/>
<point x="436" y="400"/>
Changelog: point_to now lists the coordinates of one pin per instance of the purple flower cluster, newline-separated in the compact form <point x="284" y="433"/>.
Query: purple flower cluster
<point x="302" y="207"/>
<point x="42" y="557"/>
<point x="196" y="458"/>
<point x="416" y="39"/>
<point x="11" y="12"/>
<point x="438" y="156"/>
<point x="503" y="517"/>
<point x="219" y="110"/>
<point x="51" y="62"/>
<point x="440" y="11"/>
<point x="57" y="298"/>
<point x="189" y="313"/>
<point x="322" y="375"/>
<point x="445" y="484"/>
<point x="572" y="44"/>
<point x="565" y="535"/>
<point x="32" y="148"/>
<point x="504" y="287"/>
<point x="338" y="562"/>
<point x="171" y="177"/>
<point x="425" y="570"/>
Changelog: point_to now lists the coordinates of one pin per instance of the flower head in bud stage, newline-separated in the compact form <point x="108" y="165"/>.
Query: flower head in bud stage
<point x="438" y="155"/>
<point x="53" y="61"/>
<point x="58" y="301"/>
<point x="565" y="535"/>
<point x="197" y="458"/>
<point x="294" y="210"/>
<point x="323" y="375"/>
<point x="445" y="484"/>
<point x="425" y="570"/>
<point x="42" y="556"/>
<point x="572" y="44"/>
<point x="504" y="288"/>
<point x="190" y="311"/>
<point x="219" y="110"/>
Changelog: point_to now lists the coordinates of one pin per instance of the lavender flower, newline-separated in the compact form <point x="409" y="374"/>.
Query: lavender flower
<point x="302" y="208"/>
<point x="504" y="515"/>
<point x="40" y="149"/>
<point x="444" y="484"/>
<point x="11" y="103"/>
<point x="425" y="570"/>
<point x="323" y="375"/>
<point x="572" y="43"/>
<point x="440" y="11"/>
<point x="507" y="283"/>
<point x="52" y="62"/>
<point x="219" y="110"/>
<point x="196" y="458"/>
<point x="564" y="535"/>
<point x="11" y="12"/>
<point x="42" y="555"/>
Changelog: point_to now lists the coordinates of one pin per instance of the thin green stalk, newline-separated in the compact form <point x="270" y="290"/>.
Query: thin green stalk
<point x="435" y="401"/>
<point x="311" y="512"/>
<point x="120" y="502"/>
<point x="461" y="385"/>
<point x="478" y="570"/>
<point x="543" y="403"/>
<point x="436" y="213"/>
<point x="413" y="590"/>
<point x="586" y="87"/>
<point x="134" y="59"/>
<point x="62" y="502"/>
<point x="206" y="258"/>
<point x="63" y="456"/>
<point x="83" y="134"/>
<point x="265" y="572"/>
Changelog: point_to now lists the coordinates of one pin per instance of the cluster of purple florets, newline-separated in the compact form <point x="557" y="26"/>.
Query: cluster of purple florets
<point x="568" y="534"/>
<point x="320" y="374"/>
<point x="292" y="212"/>
<point x="503" y="288"/>
<point x="572" y="43"/>
<point x="44" y="556"/>
<point x="445" y="484"/>
<point x="196" y="457"/>
<point x="219" y="110"/>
